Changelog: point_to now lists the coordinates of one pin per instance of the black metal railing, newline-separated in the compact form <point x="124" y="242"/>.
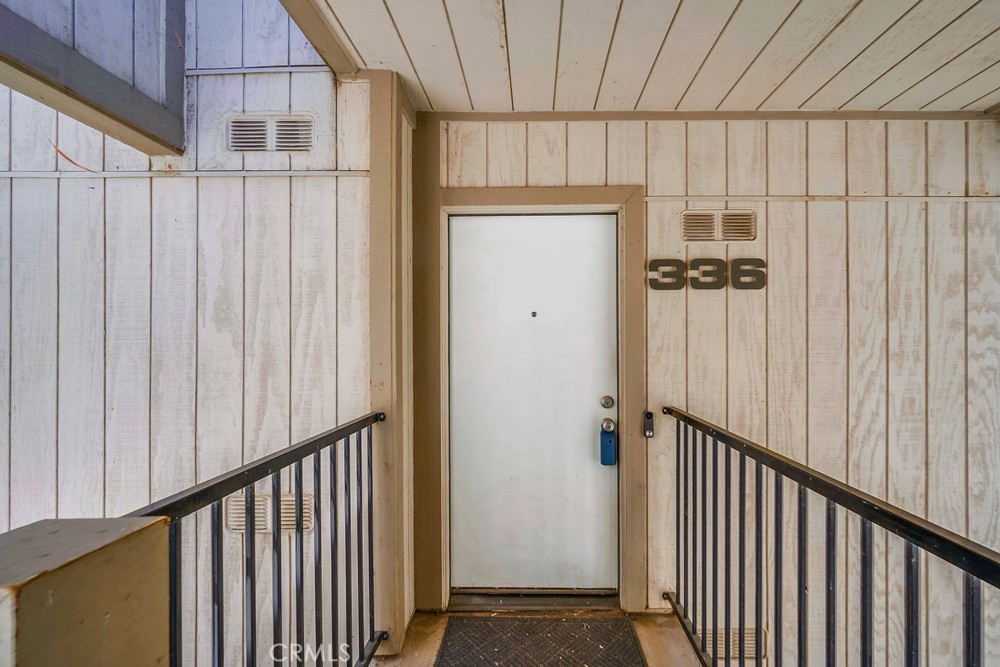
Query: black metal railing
<point x="341" y="474"/>
<point x="698" y="600"/>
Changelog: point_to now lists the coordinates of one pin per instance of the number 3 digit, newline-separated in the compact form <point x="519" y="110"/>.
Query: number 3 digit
<point x="712" y="273"/>
<point x="667" y="274"/>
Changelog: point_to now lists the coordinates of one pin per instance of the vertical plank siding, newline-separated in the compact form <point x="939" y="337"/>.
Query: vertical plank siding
<point x="876" y="338"/>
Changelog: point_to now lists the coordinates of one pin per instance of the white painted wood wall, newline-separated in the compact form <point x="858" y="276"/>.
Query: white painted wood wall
<point x="163" y="321"/>
<point x="873" y="353"/>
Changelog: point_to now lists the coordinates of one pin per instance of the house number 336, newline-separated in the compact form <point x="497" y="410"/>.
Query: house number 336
<point x="707" y="273"/>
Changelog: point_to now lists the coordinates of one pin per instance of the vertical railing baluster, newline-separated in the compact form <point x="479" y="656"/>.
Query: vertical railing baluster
<point x="361" y="574"/>
<point x="867" y="614"/>
<point x="677" y="511"/>
<point x="778" y="554"/>
<point x="912" y="604"/>
<point x="348" y="617"/>
<point x="741" y="574"/>
<point x="758" y="547"/>
<point x="972" y="622"/>
<point x="684" y="533"/>
<point x="250" y="577"/>
<point x="802" y="575"/>
<point x="334" y="557"/>
<point x="715" y="551"/>
<point x="218" y="636"/>
<point x="300" y="603"/>
<point x="371" y="543"/>
<point x="175" y="592"/>
<point x="318" y="546"/>
<point x="729" y="550"/>
<point x="694" y="531"/>
<point x="276" y="575"/>
<point x="831" y="584"/>
<point x="704" y="541"/>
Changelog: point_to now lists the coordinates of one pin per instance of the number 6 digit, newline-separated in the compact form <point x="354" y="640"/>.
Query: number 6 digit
<point x="748" y="273"/>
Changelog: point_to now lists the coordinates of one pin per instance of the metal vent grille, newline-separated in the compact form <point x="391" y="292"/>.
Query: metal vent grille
<point x="258" y="133"/>
<point x="295" y="134"/>
<point x="718" y="638"/>
<point x="739" y="225"/>
<point x="699" y="225"/>
<point x="248" y="134"/>
<point x="236" y="516"/>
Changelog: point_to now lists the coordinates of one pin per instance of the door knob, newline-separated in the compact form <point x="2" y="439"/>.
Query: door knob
<point x="609" y="443"/>
<point x="607" y="402"/>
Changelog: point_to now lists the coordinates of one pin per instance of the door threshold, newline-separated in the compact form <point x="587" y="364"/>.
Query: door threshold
<point x="463" y="600"/>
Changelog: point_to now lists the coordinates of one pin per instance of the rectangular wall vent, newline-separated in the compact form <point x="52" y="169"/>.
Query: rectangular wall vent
<point x="236" y="514"/>
<point x="718" y="638"/>
<point x="699" y="225"/>
<point x="293" y="134"/>
<point x="248" y="134"/>
<point x="286" y="133"/>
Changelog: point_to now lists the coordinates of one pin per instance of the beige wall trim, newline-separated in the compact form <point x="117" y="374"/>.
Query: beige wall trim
<point x="317" y="28"/>
<point x="802" y="198"/>
<point x="386" y="349"/>
<point x="432" y="205"/>
<point x="524" y="116"/>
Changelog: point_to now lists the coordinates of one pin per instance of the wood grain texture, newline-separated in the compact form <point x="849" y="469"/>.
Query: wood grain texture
<point x="506" y="154"/>
<point x="746" y="158"/>
<point x="103" y="31"/>
<point x="866" y="157"/>
<point x="127" y="321"/>
<point x="667" y="158"/>
<point x="862" y="25"/>
<point x="32" y="135"/>
<point x="826" y="151"/>
<point x="480" y="36"/>
<point x="907" y="157"/>
<point x="946" y="158"/>
<point x="353" y="128"/>
<point x="786" y="157"/>
<point x="984" y="158"/>
<point x="626" y="153"/>
<point x="547" y="164"/>
<point x="584" y="40"/>
<point x="466" y="155"/>
<point x="586" y="153"/>
<point x="314" y="93"/>
<point x="81" y="348"/>
<point x="33" y="317"/>
<point x="706" y="158"/>
<point x="265" y="33"/>
<point x="83" y="145"/>
<point x="5" y="349"/>
<point x="424" y="28"/>
<point x="638" y="35"/>
<point x="533" y="35"/>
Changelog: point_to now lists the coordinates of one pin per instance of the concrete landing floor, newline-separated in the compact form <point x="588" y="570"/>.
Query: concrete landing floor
<point x="660" y="635"/>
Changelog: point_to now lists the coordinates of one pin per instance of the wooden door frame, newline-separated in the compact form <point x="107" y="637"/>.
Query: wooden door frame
<point x="432" y="205"/>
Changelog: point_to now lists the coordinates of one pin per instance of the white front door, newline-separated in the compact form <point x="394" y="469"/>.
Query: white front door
<point x="533" y="350"/>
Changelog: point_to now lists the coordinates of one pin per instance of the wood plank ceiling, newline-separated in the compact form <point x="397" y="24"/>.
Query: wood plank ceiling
<point x="684" y="55"/>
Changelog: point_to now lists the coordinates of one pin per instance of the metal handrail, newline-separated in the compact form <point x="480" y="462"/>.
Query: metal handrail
<point x="976" y="559"/>
<point x="204" y="494"/>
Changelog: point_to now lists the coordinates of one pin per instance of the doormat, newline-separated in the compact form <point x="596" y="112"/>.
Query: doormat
<point x="507" y="641"/>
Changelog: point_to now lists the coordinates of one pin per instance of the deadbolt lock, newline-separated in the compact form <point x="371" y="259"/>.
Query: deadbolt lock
<point x="607" y="402"/>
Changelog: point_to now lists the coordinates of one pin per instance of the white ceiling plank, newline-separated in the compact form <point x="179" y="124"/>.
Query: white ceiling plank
<point x="912" y="30"/>
<point x="423" y="25"/>
<point x="861" y="27"/>
<point x="809" y="23"/>
<point x="692" y="36"/>
<point x="642" y="25"/>
<point x="970" y="92"/>
<point x="937" y="82"/>
<point x="960" y="35"/>
<point x="746" y="35"/>
<point x="989" y="103"/>
<point x="372" y="31"/>
<point x="533" y="43"/>
<point x="482" y="46"/>
<point x="587" y="26"/>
